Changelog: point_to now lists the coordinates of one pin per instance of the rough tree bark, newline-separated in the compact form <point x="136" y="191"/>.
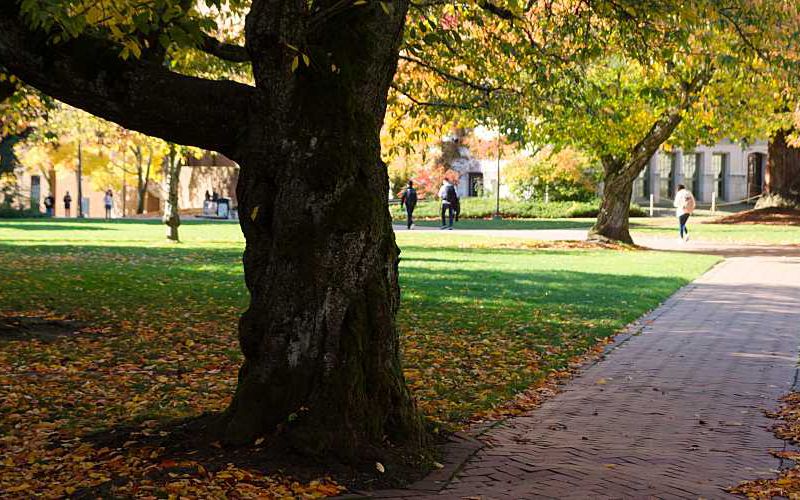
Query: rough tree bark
<point x="782" y="180"/>
<point x="319" y="336"/>
<point x="172" y="216"/>
<point x="613" y="219"/>
<point x="142" y="174"/>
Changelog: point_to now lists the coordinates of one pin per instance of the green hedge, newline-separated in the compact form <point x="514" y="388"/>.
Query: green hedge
<point x="16" y="213"/>
<point x="482" y="208"/>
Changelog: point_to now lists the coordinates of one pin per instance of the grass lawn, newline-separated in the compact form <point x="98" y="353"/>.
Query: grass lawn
<point x="482" y="319"/>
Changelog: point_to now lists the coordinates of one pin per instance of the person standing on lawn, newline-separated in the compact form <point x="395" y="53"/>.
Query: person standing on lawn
<point x="684" y="206"/>
<point x="108" y="201"/>
<point x="409" y="200"/>
<point x="449" y="198"/>
<point x="67" y="204"/>
<point x="49" y="203"/>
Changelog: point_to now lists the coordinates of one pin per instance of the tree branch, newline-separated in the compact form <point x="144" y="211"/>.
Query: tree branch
<point x="433" y="104"/>
<point x="449" y="76"/>
<point x="498" y="11"/>
<point x="226" y="51"/>
<point x="140" y="95"/>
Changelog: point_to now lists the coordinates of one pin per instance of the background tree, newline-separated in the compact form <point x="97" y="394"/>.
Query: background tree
<point x="557" y="176"/>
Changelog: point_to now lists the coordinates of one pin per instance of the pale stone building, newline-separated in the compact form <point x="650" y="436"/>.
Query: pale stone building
<point x="730" y="170"/>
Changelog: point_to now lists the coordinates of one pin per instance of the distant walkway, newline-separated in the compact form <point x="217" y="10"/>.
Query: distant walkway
<point x="725" y="249"/>
<point x="674" y="412"/>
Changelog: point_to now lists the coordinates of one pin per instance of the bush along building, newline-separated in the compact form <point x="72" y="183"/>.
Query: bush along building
<point x="727" y="171"/>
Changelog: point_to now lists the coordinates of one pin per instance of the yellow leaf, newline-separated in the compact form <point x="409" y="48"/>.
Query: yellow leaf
<point x="295" y="63"/>
<point x="254" y="213"/>
<point x="306" y="60"/>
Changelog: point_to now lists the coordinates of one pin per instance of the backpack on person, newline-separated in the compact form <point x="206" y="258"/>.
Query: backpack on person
<point x="451" y="196"/>
<point x="409" y="198"/>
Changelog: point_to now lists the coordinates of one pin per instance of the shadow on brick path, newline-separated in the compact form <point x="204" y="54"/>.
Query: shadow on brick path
<point x="675" y="412"/>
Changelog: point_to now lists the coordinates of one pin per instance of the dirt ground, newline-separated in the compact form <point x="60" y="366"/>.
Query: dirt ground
<point x="773" y="216"/>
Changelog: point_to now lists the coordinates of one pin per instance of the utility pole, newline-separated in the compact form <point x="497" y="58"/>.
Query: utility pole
<point x="80" y="181"/>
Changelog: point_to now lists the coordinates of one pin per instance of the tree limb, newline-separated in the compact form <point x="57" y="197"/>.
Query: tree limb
<point x="225" y="51"/>
<point x="434" y="104"/>
<point x="140" y="95"/>
<point x="498" y="11"/>
<point x="449" y="76"/>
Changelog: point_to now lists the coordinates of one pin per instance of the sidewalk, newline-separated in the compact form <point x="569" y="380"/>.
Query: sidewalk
<point x="674" y="412"/>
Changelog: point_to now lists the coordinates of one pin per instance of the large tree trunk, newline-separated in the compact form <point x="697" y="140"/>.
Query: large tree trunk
<point x="319" y="337"/>
<point x="782" y="178"/>
<point x="172" y="216"/>
<point x="612" y="220"/>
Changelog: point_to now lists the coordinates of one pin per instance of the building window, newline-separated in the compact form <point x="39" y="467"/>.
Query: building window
<point x="719" y="168"/>
<point x="475" y="187"/>
<point x="666" y="175"/>
<point x="691" y="172"/>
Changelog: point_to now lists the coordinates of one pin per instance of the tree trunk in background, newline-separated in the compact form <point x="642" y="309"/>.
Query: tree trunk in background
<point x="172" y="216"/>
<point x="143" y="176"/>
<point x="782" y="178"/>
<point x="321" y="346"/>
<point x="612" y="221"/>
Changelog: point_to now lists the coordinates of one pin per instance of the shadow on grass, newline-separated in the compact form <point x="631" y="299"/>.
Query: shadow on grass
<point x="169" y="278"/>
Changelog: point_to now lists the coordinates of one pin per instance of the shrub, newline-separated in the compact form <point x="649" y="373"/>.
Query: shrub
<point x="483" y="208"/>
<point x="7" y="212"/>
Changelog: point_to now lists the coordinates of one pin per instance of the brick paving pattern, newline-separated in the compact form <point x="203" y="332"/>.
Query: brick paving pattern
<point x="674" y="412"/>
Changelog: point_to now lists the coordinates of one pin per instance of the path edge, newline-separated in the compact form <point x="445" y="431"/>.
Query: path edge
<point x="462" y="446"/>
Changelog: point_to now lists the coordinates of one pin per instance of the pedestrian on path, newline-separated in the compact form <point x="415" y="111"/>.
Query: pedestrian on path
<point x="684" y="206"/>
<point x="67" y="204"/>
<point x="449" y="197"/>
<point x="409" y="200"/>
<point x="108" y="201"/>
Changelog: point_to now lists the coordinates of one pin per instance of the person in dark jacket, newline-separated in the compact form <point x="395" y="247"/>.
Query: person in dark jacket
<point x="49" y="204"/>
<point x="409" y="200"/>
<point x="67" y="204"/>
<point x="450" y="201"/>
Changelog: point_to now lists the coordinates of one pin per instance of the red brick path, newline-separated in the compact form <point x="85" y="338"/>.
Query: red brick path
<point x="675" y="412"/>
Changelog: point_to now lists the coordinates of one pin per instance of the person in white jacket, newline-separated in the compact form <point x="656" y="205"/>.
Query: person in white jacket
<point x="684" y="206"/>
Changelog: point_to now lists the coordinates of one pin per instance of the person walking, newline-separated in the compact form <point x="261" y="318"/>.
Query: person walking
<point x="108" y="201"/>
<point x="684" y="206"/>
<point x="449" y="197"/>
<point x="49" y="204"/>
<point x="409" y="200"/>
<point x="67" y="204"/>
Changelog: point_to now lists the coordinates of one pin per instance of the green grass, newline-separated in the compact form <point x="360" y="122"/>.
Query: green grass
<point x="482" y="318"/>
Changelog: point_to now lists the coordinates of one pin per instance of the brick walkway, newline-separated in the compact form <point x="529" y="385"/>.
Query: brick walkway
<point x="675" y="412"/>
